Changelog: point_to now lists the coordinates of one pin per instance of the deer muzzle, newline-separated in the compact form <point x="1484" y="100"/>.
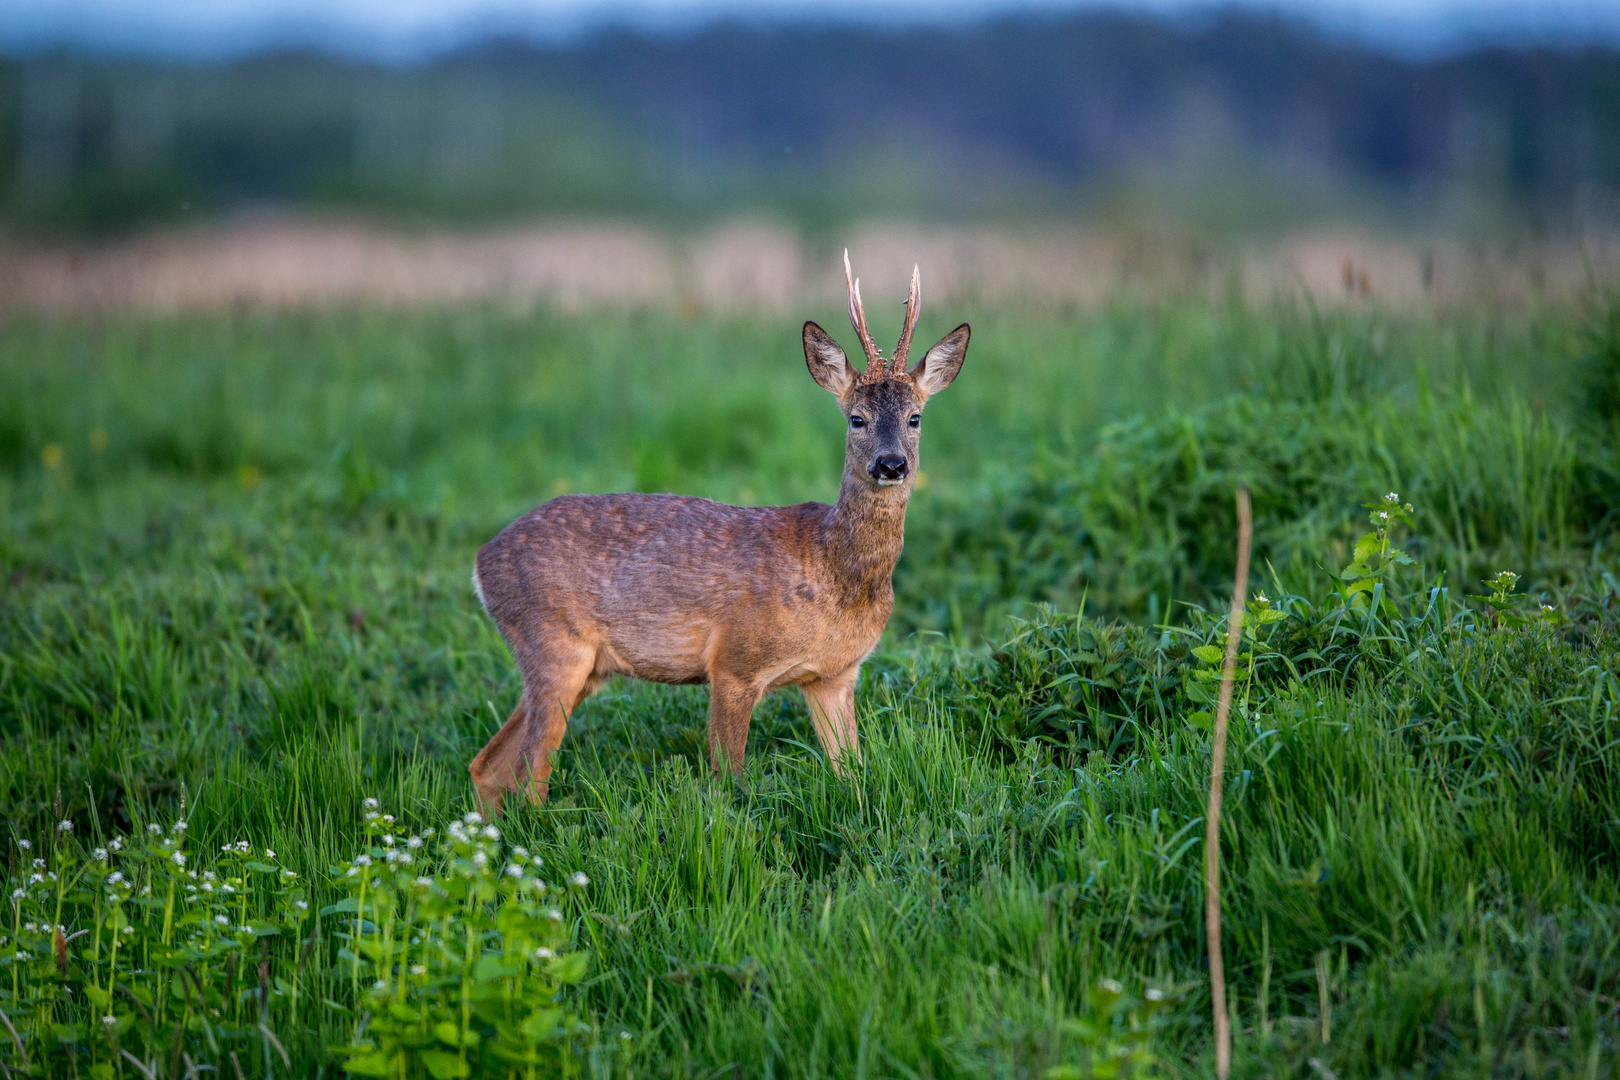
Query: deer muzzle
<point x="890" y="469"/>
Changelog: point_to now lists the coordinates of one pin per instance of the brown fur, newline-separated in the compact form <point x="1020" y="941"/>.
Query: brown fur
<point x="682" y="590"/>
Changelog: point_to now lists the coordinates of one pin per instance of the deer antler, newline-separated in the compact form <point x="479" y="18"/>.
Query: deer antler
<point x="913" y="305"/>
<point x="857" y="319"/>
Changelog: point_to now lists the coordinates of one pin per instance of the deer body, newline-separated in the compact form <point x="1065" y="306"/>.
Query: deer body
<point x="672" y="589"/>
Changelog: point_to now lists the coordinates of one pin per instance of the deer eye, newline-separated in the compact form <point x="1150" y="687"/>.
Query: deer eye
<point x="857" y="421"/>
<point x="916" y="420"/>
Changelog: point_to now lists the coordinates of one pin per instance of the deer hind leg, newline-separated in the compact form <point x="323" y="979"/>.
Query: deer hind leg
<point x="520" y="753"/>
<point x="731" y="707"/>
<point x="832" y="713"/>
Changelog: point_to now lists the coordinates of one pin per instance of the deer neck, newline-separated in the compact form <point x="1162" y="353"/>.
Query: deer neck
<point x="865" y="532"/>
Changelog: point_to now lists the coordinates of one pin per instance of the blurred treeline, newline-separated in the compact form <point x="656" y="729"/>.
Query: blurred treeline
<point x="1234" y="123"/>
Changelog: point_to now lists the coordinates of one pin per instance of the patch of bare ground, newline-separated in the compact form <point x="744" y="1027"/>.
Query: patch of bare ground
<point x="283" y="262"/>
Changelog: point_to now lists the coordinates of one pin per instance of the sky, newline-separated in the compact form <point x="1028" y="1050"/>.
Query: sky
<point x="406" y="29"/>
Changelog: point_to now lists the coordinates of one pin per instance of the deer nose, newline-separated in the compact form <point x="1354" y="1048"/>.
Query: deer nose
<point x="890" y="467"/>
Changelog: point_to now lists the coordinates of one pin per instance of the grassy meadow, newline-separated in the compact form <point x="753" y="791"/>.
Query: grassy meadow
<point x="235" y="595"/>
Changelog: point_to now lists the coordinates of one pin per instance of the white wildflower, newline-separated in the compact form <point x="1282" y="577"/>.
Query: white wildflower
<point x="371" y="804"/>
<point x="25" y="845"/>
<point x="388" y="839"/>
<point x="520" y="851"/>
<point x="18" y="893"/>
<point x="154" y="828"/>
<point x="269" y="854"/>
<point x="109" y="1020"/>
<point x="178" y="858"/>
<point x="380" y="984"/>
<point x="301" y="905"/>
<point x="544" y="953"/>
<point x="480" y="859"/>
<point x="117" y="843"/>
<point x="491" y="833"/>
<point x="414" y="843"/>
<point x="39" y="864"/>
<point x="473" y="817"/>
<point x="1153" y="993"/>
<point x="222" y="920"/>
<point x="579" y="880"/>
<point x="554" y="915"/>
<point x="115" y="878"/>
<point x="180" y="826"/>
<point x="418" y="969"/>
<point x="100" y="854"/>
<point x="513" y="870"/>
<point x="64" y="827"/>
<point x="1392" y="498"/>
<point x="362" y="860"/>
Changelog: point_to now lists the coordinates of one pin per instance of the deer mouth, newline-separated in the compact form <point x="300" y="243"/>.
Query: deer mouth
<point x="891" y="469"/>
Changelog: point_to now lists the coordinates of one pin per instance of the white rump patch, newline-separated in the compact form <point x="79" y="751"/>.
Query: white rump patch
<point x="478" y="588"/>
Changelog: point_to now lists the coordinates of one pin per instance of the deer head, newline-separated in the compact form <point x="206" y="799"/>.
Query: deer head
<point x="884" y="403"/>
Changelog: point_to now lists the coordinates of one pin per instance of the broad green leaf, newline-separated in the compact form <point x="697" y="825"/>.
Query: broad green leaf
<point x="570" y="968"/>
<point x="447" y="1033"/>
<point x="1210" y="654"/>
<point x="1200" y="720"/>
<point x="1366" y="548"/>
<point x="403" y="1012"/>
<point x="375" y="1063"/>
<point x="541" y="1026"/>
<point x="443" y="1065"/>
<point x="492" y="967"/>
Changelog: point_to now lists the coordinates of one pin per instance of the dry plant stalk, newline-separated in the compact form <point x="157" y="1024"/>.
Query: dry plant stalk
<point x="1212" y="817"/>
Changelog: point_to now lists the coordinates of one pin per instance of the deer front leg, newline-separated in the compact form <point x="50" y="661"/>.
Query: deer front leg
<point x="731" y="707"/>
<point x="832" y="713"/>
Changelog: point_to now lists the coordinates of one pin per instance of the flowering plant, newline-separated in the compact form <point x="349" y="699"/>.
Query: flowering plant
<point x="463" y="971"/>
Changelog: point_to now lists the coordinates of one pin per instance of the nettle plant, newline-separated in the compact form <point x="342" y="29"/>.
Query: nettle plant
<point x="133" y="958"/>
<point x="1291" y="637"/>
<point x="125" y="956"/>
<point x="463" y="971"/>
<point x="1373" y="562"/>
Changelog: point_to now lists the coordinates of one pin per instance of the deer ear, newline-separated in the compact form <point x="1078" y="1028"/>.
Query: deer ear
<point x="826" y="361"/>
<point x="939" y="365"/>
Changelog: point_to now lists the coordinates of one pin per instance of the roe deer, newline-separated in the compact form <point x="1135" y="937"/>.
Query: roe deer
<point x="681" y="590"/>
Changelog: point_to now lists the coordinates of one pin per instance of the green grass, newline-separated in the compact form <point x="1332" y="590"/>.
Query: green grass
<point x="236" y="555"/>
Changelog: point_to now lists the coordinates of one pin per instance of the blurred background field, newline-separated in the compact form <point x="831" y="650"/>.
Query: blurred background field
<point x="292" y="321"/>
